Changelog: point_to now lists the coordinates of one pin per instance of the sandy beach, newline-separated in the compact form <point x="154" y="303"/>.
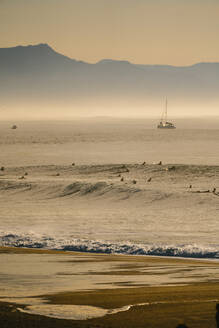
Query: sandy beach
<point x="94" y="290"/>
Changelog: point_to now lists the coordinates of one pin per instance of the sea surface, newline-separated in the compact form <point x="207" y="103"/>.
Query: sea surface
<point x="101" y="216"/>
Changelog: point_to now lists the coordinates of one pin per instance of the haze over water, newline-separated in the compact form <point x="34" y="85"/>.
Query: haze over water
<point x="108" y="140"/>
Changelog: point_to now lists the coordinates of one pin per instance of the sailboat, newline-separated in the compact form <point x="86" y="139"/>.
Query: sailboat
<point x="164" y="124"/>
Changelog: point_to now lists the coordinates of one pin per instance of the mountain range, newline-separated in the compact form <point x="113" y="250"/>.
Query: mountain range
<point x="37" y="76"/>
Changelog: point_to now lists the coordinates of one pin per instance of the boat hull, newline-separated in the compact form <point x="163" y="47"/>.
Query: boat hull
<point x="166" y="127"/>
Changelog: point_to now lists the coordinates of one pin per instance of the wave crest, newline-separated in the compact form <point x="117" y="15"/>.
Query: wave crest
<point x="97" y="246"/>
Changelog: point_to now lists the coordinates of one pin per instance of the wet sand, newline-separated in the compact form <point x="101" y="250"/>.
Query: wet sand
<point x="120" y="290"/>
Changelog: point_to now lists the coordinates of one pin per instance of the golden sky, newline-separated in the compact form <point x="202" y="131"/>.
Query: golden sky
<point x="175" y="32"/>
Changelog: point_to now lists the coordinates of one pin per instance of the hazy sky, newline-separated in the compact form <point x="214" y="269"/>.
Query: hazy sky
<point x="178" y="32"/>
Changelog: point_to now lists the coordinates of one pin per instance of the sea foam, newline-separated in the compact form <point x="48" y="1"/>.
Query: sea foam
<point x="97" y="246"/>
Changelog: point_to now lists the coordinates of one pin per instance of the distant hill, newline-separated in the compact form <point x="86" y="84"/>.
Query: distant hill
<point x="37" y="75"/>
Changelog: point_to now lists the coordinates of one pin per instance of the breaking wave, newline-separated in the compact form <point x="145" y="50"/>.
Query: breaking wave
<point x="97" y="246"/>
<point x="77" y="188"/>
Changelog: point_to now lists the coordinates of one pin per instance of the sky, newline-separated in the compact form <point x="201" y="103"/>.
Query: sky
<point x="174" y="32"/>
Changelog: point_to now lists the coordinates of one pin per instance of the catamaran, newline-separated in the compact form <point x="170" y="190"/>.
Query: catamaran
<point x="164" y="124"/>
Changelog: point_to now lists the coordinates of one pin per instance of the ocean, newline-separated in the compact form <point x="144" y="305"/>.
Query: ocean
<point x="86" y="207"/>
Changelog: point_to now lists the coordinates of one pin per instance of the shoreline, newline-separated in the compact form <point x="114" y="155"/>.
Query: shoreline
<point x="144" y="304"/>
<point x="29" y="250"/>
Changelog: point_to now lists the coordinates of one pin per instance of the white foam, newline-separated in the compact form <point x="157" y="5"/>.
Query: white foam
<point x="70" y="312"/>
<point x="74" y="312"/>
<point x="32" y="240"/>
<point x="84" y="312"/>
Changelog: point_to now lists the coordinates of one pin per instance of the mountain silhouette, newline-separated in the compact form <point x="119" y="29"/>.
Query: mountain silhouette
<point x="38" y="74"/>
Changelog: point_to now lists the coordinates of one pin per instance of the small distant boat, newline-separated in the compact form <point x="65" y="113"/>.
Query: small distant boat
<point x="164" y="124"/>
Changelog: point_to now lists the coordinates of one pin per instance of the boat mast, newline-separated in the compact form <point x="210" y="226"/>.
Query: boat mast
<point x="165" y="115"/>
